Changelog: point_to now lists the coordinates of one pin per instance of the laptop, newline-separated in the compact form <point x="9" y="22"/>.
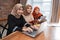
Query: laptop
<point x="34" y="33"/>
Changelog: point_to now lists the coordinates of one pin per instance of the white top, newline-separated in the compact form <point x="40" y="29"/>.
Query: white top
<point x="28" y="18"/>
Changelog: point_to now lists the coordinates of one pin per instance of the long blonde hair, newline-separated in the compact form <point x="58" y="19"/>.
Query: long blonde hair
<point x="26" y="7"/>
<point x="15" y="8"/>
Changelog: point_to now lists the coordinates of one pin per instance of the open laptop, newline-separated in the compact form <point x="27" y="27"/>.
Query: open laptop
<point x="34" y="33"/>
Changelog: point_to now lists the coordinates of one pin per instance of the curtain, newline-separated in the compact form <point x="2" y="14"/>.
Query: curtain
<point x="59" y="11"/>
<point x="54" y="18"/>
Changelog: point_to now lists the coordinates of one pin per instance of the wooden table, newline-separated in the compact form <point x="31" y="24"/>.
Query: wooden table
<point x="0" y="39"/>
<point x="20" y="36"/>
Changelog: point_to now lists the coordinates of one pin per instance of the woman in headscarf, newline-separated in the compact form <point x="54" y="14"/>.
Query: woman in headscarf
<point x="15" y="19"/>
<point x="38" y="15"/>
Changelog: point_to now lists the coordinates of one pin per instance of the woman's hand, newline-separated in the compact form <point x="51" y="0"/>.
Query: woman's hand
<point x="35" y="27"/>
<point x="24" y="29"/>
<point x="27" y="29"/>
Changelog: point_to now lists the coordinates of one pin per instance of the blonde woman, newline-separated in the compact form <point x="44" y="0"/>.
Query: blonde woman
<point x="16" y="19"/>
<point x="29" y="17"/>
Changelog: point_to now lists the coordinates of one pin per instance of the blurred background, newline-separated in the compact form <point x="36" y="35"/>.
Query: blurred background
<point x="49" y="8"/>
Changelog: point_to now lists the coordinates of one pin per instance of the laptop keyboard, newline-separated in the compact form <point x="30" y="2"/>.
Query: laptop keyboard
<point x="33" y="34"/>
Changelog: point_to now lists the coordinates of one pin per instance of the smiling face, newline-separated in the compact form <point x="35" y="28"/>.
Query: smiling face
<point x="17" y="10"/>
<point x="20" y="11"/>
<point x="29" y="9"/>
<point x="37" y="11"/>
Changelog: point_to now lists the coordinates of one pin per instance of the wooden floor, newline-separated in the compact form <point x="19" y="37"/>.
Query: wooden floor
<point x="19" y="36"/>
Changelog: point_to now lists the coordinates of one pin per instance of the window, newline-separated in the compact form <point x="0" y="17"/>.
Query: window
<point x="44" y="5"/>
<point x="45" y="8"/>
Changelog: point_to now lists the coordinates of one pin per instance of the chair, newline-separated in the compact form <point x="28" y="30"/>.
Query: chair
<point x="4" y="27"/>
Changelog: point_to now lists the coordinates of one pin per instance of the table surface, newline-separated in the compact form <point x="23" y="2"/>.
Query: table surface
<point x="20" y="36"/>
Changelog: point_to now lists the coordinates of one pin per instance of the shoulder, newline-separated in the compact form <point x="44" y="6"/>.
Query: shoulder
<point x="10" y="16"/>
<point x="21" y="16"/>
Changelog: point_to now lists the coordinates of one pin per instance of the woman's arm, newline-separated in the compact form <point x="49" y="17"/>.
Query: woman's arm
<point x="11" y="21"/>
<point x="24" y="23"/>
<point x="26" y="26"/>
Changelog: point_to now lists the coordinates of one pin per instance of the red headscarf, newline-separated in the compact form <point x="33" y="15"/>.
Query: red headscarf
<point x="36" y="15"/>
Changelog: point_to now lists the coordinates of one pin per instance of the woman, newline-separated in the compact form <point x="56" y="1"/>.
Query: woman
<point x="15" y="19"/>
<point x="28" y="16"/>
<point x="37" y="15"/>
<point x="27" y="13"/>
